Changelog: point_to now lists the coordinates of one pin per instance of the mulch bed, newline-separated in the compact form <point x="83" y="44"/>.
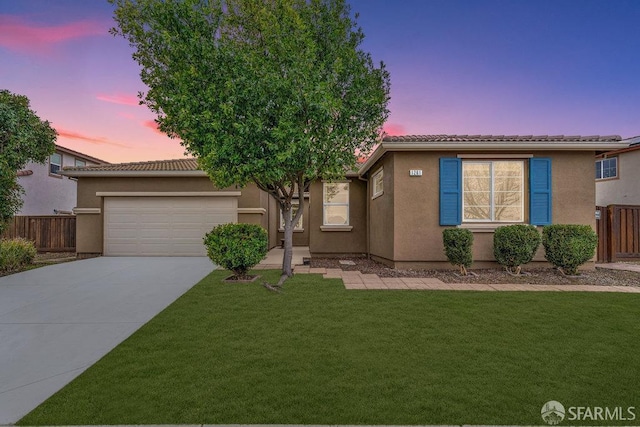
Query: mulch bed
<point x="534" y="276"/>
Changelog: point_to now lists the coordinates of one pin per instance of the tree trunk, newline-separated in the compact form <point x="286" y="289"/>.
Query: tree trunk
<point x="288" y="242"/>
<point x="289" y="221"/>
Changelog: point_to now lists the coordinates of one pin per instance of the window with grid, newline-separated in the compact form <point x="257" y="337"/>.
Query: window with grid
<point x="55" y="163"/>
<point x="294" y="211"/>
<point x="493" y="191"/>
<point x="607" y="168"/>
<point x="335" y="206"/>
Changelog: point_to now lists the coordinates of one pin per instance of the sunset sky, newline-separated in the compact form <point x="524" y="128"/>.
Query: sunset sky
<point x="457" y="67"/>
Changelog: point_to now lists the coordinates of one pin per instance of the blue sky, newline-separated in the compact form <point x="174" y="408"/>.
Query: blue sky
<point x="457" y="67"/>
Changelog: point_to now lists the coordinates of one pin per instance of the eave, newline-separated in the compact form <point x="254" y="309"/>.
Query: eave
<point x="478" y="146"/>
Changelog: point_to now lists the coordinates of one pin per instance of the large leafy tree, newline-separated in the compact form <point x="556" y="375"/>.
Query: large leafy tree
<point x="24" y="137"/>
<point x="275" y="92"/>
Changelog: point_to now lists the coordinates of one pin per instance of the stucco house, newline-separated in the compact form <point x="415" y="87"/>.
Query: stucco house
<point x="46" y="190"/>
<point x="392" y="209"/>
<point x="618" y="174"/>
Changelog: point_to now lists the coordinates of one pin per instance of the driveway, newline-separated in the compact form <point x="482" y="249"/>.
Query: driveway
<point x="56" y="321"/>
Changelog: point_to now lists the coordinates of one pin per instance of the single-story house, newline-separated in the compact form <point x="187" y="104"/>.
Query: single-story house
<point x="392" y="209"/>
<point x="618" y="175"/>
<point x="46" y="191"/>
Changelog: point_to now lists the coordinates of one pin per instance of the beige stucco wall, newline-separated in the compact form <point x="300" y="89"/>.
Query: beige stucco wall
<point x="339" y="242"/>
<point x="408" y="216"/>
<point x="89" y="227"/>
<point x="381" y="211"/>
<point x="625" y="189"/>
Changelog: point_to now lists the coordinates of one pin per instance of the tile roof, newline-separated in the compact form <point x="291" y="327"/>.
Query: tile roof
<point x="499" y="138"/>
<point x="79" y="154"/>
<point x="155" y="166"/>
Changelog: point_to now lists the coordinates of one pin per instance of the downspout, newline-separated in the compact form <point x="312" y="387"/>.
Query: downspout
<point x="368" y="219"/>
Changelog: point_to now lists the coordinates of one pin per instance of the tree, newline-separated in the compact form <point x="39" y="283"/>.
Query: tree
<point x="275" y="92"/>
<point x="24" y="137"/>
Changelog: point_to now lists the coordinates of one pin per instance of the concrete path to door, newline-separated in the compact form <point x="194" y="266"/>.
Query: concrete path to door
<point x="56" y="321"/>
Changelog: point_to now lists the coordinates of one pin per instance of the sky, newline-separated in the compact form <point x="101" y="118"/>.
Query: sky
<point x="499" y="67"/>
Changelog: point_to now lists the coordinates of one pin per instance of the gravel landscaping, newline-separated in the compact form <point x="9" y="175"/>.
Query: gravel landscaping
<point x="534" y="276"/>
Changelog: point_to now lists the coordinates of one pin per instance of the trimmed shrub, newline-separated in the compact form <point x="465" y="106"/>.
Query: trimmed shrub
<point x="457" y="247"/>
<point x="237" y="247"/>
<point x="16" y="253"/>
<point x="568" y="246"/>
<point x="515" y="245"/>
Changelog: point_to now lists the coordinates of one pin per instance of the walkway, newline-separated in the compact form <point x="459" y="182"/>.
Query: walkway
<point x="358" y="280"/>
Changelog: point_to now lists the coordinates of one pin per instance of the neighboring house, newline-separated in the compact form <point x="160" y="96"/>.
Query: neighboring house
<point x="618" y="175"/>
<point x="393" y="208"/>
<point x="46" y="191"/>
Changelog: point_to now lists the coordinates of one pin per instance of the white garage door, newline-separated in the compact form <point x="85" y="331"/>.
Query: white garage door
<point x="163" y="226"/>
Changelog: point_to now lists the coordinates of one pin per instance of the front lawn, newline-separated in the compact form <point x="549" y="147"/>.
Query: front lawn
<point x="318" y="354"/>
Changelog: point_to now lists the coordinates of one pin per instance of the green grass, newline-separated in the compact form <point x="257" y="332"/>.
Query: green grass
<point x="238" y="354"/>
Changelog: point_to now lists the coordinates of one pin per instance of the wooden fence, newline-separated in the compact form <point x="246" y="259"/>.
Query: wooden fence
<point x="618" y="229"/>
<point x="51" y="233"/>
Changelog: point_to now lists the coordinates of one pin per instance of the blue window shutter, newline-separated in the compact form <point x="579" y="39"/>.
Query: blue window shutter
<point x="450" y="191"/>
<point x="540" y="191"/>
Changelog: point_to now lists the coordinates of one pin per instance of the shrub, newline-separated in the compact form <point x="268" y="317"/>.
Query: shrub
<point x="16" y="253"/>
<point x="515" y="245"/>
<point x="237" y="247"/>
<point x="568" y="246"/>
<point x="457" y="247"/>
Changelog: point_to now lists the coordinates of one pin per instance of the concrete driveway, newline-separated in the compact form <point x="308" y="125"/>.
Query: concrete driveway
<point x="56" y="321"/>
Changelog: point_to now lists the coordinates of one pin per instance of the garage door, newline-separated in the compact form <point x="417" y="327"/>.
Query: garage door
<point x="163" y="226"/>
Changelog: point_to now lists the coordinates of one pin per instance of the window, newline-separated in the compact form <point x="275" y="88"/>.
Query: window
<point x="294" y="210"/>
<point x="80" y="163"/>
<point x="378" y="183"/>
<point x="493" y="191"/>
<point x="55" y="163"/>
<point x="335" y="207"/>
<point x="607" y="168"/>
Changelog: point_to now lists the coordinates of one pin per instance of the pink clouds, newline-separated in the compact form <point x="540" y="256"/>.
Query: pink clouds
<point x="151" y="124"/>
<point x="393" y="129"/>
<point x="64" y="133"/>
<point x="26" y="37"/>
<point x="119" y="98"/>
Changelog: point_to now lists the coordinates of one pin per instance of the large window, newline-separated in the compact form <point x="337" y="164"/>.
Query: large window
<point x="294" y="210"/>
<point x="607" y="168"/>
<point x="55" y="163"/>
<point x="493" y="191"/>
<point x="335" y="206"/>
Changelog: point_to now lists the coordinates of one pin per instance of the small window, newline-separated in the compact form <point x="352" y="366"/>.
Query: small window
<point x="335" y="207"/>
<point x="607" y="168"/>
<point x="294" y="210"/>
<point x="80" y="163"/>
<point x="55" y="163"/>
<point x="378" y="183"/>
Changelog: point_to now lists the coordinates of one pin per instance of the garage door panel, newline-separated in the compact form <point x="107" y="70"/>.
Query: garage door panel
<point x="163" y="226"/>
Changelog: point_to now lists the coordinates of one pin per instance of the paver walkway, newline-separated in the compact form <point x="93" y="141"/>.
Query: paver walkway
<point x="358" y="280"/>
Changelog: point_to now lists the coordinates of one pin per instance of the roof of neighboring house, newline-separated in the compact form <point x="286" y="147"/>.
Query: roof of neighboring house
<point x="494" y="143"/>
<point x="634" y="145"/>
<point x="79" y="154"/>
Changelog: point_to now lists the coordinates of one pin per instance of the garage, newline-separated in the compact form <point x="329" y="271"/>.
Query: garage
<point x="163" y="226"/>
